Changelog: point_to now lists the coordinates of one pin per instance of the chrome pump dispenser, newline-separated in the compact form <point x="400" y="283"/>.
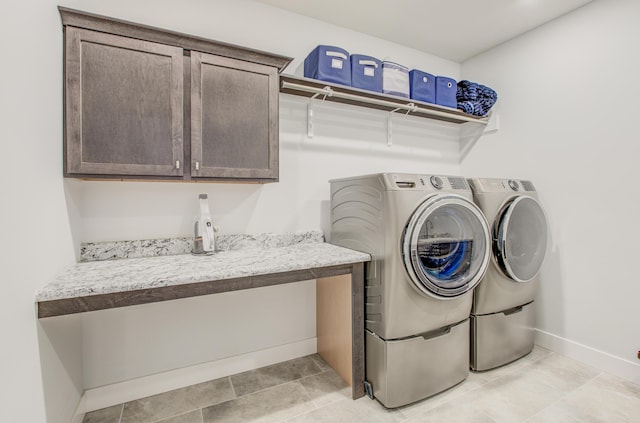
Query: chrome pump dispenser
<point x="204" y="241"/>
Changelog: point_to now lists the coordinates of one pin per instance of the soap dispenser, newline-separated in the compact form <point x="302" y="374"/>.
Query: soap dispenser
<point x="204" y="241"/>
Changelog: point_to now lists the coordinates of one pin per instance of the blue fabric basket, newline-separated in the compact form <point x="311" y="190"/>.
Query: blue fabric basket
<point x="423" y="86"/>
<point x="395" y="79"/>
<point x="328" y="63"/>
<point x="446" y="89"/>
<point x="366" y="73"/>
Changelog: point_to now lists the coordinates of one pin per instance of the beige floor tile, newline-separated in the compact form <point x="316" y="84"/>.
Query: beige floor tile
<point x="562" y="373"/>
<point x="326" y="388"/>
<point x="324" y="366"/>
<point x="363" y="410"/>
<point x="177" y="402"/>
<point x="270" y="405"/>
<point x="513" y="367"/>
<point x="105" y="415"/>
<point x="276" y="374"/>
<point x="553" y="414"/>
<point x="473" y="381"/>
<point x="191" y="417"/>
<point x="605" y="398"/>
<point x="615" y="384"/>
<point x="536" y="354"/>
<point x="452" y="411"/>
<point x="513" y="397"/>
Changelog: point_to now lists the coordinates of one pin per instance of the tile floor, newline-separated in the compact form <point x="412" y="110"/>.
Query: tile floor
<point x="541" y="387"/>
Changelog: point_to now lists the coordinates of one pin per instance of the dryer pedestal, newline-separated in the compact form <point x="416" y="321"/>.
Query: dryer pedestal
<point x="500" y="338"/>
<point x="408" y="370"/>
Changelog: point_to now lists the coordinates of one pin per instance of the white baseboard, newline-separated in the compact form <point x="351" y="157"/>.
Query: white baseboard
<point x="117" y="393"/>
<point x="81" y="410"/>
<point x="599" y="359"/>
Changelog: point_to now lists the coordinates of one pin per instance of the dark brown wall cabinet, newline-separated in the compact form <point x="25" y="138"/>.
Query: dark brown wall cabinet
<point x="144" y="103"/>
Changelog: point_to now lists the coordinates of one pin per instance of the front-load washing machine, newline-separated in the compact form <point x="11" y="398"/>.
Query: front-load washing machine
<point x="502" y="315"/>
<point x="430" y="246"/>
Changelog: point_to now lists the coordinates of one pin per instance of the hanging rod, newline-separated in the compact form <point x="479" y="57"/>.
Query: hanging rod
<point x="409" y="107"/>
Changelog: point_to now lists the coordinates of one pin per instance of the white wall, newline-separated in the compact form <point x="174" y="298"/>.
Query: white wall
<point x="35" y="233"/>
<point x="44" y="217"/>
<point x="568" y="115"/>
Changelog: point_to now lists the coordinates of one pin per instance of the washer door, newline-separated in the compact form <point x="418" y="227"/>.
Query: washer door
<point x="520" y="238"/>
<point x="446" y="246"/>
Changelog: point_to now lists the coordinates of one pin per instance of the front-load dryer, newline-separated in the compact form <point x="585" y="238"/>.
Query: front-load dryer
<point x="430" y="246"/>
<point x="502" y="315"/>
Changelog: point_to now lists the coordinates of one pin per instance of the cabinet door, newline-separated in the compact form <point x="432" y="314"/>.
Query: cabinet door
<point x="123" y="105"/>
<point x="234" y="118"/>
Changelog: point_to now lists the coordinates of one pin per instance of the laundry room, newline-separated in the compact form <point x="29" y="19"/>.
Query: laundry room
<point x="561" y="132"/>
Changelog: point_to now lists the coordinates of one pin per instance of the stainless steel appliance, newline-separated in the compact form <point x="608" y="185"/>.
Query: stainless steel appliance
<point x="502" y="316"/>
<point x="430" y="246"/>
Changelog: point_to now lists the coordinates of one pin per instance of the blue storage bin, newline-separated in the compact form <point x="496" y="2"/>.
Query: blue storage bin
<point x="328" y="63"/>
<point x="446" y="91"/>
<point x="422" y="86"/>
<point x="395" y="79"/>
<point x="366" y="72"/>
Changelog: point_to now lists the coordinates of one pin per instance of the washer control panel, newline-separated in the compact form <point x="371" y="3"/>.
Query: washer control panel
<point x="514" y="185"/>
<point x="427" y="182"/>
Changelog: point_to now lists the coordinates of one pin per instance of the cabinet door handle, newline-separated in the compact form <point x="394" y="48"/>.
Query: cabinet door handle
<point x="177" y="164"/>
<point x="197" y="165"/>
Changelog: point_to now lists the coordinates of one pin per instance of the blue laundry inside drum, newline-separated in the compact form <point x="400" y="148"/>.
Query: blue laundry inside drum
<point x="446" y="260"/>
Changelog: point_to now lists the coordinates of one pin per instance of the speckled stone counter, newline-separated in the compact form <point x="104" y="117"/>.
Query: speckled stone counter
<point x="136" y="274"/>
<point x="116" y="280"/>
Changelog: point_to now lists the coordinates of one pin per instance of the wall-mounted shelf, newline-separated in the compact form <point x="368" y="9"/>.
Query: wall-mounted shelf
<point x="471" y="127"/>
<point x="342" y="94"/>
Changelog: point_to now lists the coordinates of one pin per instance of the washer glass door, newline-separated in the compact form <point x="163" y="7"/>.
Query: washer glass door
<point x="520" y="238"/>
<point x="446" y="246"/>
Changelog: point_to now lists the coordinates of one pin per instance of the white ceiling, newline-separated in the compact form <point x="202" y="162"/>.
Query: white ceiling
<point x="452" y="29"/>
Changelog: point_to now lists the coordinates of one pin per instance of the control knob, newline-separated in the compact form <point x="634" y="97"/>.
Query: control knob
<point x="436" y="181"/>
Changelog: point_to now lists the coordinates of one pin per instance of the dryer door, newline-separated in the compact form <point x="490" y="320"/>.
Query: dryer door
<point x="446" y="246"/>
<point x="520" y="238"/>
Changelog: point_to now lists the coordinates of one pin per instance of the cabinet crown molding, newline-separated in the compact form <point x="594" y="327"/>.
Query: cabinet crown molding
<point x="81" y="19"/>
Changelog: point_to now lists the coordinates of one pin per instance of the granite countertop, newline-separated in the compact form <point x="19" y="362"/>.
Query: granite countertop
<point x="165" y="263"/>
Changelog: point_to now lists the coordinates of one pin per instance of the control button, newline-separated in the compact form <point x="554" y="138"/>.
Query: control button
<point x="514" y="185"/>
<point x="436" y="182"/>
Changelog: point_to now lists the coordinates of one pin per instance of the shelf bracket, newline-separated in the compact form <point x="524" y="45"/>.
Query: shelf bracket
<point x="471" y="132"/>
<point x="325" y="92"/>
<point x="408" y="108"/>
<point x="389" y="130"/>
<point x="310" y="119"/>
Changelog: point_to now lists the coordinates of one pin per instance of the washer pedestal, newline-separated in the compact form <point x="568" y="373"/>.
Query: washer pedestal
<point x="411" y="369"/>
<point x="500" y="338"/>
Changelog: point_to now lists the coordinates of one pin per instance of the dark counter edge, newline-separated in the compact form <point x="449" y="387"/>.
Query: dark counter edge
<point x="66" y="306"/>
<point x="85" y="303"/>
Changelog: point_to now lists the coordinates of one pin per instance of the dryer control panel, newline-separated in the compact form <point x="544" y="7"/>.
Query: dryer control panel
<point x="501" y="185"/>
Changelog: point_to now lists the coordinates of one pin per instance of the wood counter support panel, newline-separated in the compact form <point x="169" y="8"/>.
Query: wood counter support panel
<point x="333" y="323"/>
<point x="340" y="326"/>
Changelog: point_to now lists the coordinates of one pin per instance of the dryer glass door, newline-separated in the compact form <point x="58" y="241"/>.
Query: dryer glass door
<point x="520" y="239"/>
<point x="446" y="246"/>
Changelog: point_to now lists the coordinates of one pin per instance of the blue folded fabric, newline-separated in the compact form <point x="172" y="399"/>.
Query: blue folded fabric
<point x="475" y="99"/>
